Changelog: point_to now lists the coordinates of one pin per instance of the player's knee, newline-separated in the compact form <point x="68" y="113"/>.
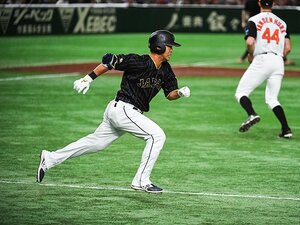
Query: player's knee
<point x="239" y="95"/>
<point x="158" y="137"/>
<point x="272" y="103"/>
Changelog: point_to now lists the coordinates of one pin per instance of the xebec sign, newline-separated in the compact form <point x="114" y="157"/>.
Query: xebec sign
<point x="93" y="22"/>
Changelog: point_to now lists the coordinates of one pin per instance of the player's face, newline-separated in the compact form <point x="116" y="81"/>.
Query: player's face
<point x="167" y="54"/>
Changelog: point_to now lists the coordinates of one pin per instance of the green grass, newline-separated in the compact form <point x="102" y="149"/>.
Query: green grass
<point x="204" y="153"/>
<point x="199" y="49"/>
<point x="212" y="174"/>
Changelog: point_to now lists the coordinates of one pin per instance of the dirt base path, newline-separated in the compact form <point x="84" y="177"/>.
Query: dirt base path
<point x="178" y="70"/>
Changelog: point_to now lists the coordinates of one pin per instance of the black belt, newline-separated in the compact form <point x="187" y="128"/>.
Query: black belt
<point x="135" y="108"/>
<point x="268" y="53"/>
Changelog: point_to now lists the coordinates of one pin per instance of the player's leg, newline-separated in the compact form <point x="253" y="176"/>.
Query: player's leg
<point x="94" y="142"/>
<point x="99" y="140"/>
<point x="252" y="78"/>
<point x="288" y="62"/>
<point x="271" y="96"/>
<point x="246" y="104"/>
<point x="155" y="138"/>
<point x="140" y="126"/>
<point x="104" y="135"/>
<point x="244" y="56"/>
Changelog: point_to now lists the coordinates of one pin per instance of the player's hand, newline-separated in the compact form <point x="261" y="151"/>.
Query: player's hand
<point x="83" y="84"/>
<point x="184" y="92"/>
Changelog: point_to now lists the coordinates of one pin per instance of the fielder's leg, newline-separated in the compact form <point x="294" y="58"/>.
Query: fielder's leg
<point x="244" y="56"/>
<point x="247" y="105"/>
<point x="251" y="79"/>
<point x="271" y="95"/>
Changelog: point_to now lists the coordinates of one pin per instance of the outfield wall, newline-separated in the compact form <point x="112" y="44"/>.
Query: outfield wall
<point x="123" y="18"/>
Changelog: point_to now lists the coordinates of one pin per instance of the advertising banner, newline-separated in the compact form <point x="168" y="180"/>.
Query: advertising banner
<point x="92" y="19"/>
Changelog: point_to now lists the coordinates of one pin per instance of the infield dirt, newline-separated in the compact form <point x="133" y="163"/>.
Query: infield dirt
<point x="178" y="70"/>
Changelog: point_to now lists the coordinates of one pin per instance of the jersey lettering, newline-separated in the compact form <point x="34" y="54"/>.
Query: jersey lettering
<point x="274" y="37"/>
<point x="150" y="83"/>
<point x="269" y="32"/>
<point x="265" y="20"/>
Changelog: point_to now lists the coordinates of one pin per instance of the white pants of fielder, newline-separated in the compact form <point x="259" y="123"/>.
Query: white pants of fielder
<point x="119" y="117"/>
<point x="268" y="67"/>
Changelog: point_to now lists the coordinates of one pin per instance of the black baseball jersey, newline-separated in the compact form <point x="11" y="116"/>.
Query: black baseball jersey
<point x="142" y="80"/>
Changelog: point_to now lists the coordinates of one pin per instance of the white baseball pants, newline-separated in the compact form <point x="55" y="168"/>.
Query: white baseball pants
<point x="268" y="67"/>
<point x="119" y="117"/>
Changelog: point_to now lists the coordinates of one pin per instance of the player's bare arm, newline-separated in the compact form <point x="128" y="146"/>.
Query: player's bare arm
<point x="182" y="92"/>
<point x="83" y="84"/>
<point x="250" y="42"/>
<point x="244" y="18"/>
<point x="173" y="95"/>
<point x="287" y="47"/>
<point x="108" y="63"/>
<point x="100" y="69"/>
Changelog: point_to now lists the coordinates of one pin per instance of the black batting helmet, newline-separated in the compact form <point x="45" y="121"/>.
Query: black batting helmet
<point x="159" y="39"/>
<point x="267" y="3"/>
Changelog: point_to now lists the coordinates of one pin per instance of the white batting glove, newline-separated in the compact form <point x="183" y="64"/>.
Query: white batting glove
<point x="83" y="84"/>
<point x="184" y="92"/>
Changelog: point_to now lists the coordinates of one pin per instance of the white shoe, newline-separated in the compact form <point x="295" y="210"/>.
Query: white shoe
<point x="42" y="168"/>
<point x="251" y="120"/>
<point x="286" y="134"/>
<point x="150" y="188"/>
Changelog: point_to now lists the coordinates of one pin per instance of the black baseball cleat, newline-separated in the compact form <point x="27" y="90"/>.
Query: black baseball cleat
<point x="41" y="169"/>
<point x="150" y="188"/>
<point x="251" y="120"/>
<point x="286" y="134"/>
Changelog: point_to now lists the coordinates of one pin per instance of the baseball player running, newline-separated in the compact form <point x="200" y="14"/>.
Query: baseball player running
<point x="268" y="41"/>
<point x="143" y="77"/>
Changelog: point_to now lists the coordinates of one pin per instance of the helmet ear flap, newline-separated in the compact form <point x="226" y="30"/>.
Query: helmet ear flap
<point x="159" y="39"/>
<point x="158" y="48"/>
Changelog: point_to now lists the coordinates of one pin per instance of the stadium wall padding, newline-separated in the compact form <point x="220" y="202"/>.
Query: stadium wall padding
<point x="46" y="19"/>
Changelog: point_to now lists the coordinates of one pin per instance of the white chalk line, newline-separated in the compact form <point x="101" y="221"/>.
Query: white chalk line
<point x="112" y="188"/>
<point x="44" y="76"/>
<point x="212" y="62"/>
